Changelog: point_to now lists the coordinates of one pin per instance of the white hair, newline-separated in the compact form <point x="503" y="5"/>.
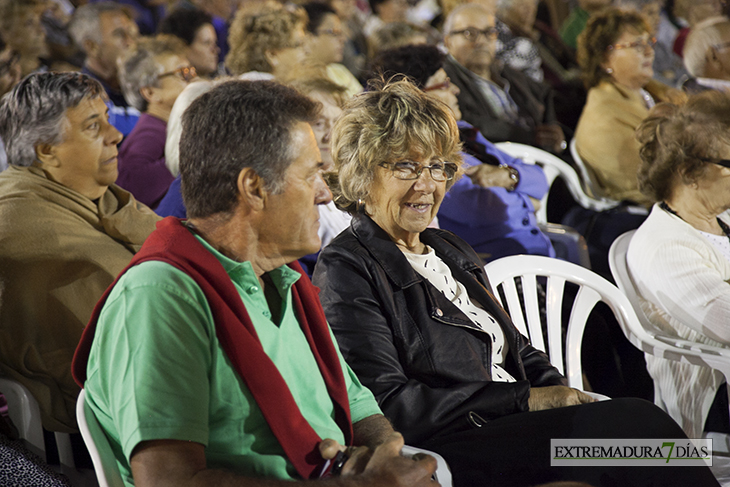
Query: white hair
<point x="174" y="124"/>
<point x="86" y="24"/>
<point x="710" y="32"/>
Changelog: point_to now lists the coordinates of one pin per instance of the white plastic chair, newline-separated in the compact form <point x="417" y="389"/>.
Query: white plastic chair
<point x="25" y="414"/>
<point x="554" y="167"/>
<point x="647" y="337"/>
<point x="592" y="289"/>
<point x="105" y="465"/>
<point x="107" y="471"/>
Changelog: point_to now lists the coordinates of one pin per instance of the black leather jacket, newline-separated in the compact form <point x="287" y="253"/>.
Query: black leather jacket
<point x="426" y="362"/>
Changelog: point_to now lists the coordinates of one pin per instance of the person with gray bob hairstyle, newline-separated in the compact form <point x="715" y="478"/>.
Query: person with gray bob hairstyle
<point x="66" y="231"/>
<point x="34" y="113"/>
<point x="153" y="76"/>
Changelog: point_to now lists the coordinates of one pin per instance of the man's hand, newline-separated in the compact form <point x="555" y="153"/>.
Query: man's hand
<point x="488" y="176"/>
<point x="384" y="465"/>
<point x="550" y="137"/>
<point x="556" y="397"/>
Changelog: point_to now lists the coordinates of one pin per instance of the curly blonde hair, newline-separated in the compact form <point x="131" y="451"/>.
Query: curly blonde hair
<point x="257" y="30"/>
<point x="602" y="30"/>
<point x="389" y="123"/>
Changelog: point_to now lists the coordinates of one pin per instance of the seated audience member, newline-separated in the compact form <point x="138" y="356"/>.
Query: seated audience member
<point x="413" y="316"/>
<point x="195" y="28"/>
<point x="501" y="102"/>
<point x="493" y="209"/>
<point x="616" y="55"/>
<point x="172" y="203"/>
<point x="695" y="13"/>
<point x="383" y="12"/>
<point x="153" y="76"/>
<point x="668" y="67"/>
<point x="516" y="46"/>
<point x="355" y="51"/>
<point x="706" y="57"/>
<point x="397" y="34"/>
<point x="267" y="41"/>
<point x="226" y="357"/>
<point x="332" y="220"/>
<point x="679" y="259"/>
<point x="326" y="45"/>
<point x="147" y="13"/>
<point x="578" y="18"/>
<point x="20" y="24"/>
<point x="222" y="12"/>
<point x="65" y="231"/>
<point x="106" y="33"/>
<point x="9" y="77"/>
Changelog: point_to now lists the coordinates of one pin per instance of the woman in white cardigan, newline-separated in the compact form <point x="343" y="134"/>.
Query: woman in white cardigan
<point x="679" y="258"/>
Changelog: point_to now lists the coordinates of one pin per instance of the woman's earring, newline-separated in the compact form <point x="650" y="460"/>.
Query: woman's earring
<point x="609" y="70"/>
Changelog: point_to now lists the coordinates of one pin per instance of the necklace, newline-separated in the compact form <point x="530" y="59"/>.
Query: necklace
<point x="725" y="228"/>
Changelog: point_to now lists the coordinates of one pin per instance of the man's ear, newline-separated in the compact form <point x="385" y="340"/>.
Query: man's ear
<point x="251" y="190"/>
<point x="271" y="58"/>
<point x="46" y="155"/>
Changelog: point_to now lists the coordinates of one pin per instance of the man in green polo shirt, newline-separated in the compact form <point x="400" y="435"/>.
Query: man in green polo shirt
<point x="209" y="362"/>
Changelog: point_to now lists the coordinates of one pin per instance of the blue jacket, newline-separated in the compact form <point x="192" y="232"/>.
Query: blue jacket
<point x="494" y="221"/>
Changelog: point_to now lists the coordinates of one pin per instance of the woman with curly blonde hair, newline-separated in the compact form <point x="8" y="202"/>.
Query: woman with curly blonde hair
<point x="267" y="41"/>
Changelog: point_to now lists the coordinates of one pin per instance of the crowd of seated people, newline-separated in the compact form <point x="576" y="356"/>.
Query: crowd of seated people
<point x="155" y="108"/>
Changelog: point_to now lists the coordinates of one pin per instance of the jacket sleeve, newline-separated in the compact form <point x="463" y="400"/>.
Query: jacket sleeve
<point x="359" y="304"/>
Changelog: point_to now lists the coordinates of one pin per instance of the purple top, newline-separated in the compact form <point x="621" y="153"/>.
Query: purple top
<point x="142" y="169"/>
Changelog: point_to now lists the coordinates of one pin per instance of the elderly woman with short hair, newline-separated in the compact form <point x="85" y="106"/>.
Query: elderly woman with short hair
<point x="152" y="76"/>
<point x="66" y="231"/>
<point x="679" y="259"/>
<point x="267" y="41"/>
<point x="415" y="319"/>
<point x="615" y="52"/>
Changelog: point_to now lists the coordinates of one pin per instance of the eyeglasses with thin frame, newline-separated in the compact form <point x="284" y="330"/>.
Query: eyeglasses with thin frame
<point x="7" y="65"/>
<point x="409" y="170"/>
<point x="639" y="45"/>
<point x="185" y="73"/>
<point x="444" y="85"/>
<point x="719" y="162"/>
<point x="472" y="34"/>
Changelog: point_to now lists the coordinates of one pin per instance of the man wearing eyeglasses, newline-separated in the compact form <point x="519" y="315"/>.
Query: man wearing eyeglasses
<point x="503" y="103"/>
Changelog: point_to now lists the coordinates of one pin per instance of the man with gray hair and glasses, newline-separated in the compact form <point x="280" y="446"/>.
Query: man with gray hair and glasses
<point x="105" y="32"/>
<point x="66" y="231"/>
<point x="503" y="103"/>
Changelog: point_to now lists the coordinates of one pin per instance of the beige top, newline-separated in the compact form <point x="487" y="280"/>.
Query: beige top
<point x="605" y="140"/>
<point x="59" y="251"/>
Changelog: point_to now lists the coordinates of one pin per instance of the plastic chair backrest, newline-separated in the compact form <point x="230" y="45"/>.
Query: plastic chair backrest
<point x="105" y="464"/>
<point x="554" y="167"/>
<point x="25" y="414"/>
<point x="443" y="473"/>
<point x="648" y="337"/>
<point x="592" y="289"/>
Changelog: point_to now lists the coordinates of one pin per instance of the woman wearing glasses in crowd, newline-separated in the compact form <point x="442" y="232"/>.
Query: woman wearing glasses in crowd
<point x="413" y="315"/>
<point x="679" y="259"/>
<point x="616" y="54"/>
<point x="152" y="77"/>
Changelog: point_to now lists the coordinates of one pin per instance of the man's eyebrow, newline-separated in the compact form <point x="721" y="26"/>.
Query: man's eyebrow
<point x="95" y="115"/>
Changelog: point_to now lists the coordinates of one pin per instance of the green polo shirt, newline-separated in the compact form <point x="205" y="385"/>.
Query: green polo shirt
<point x="573" y="26"/>
<point x="157" y="371"/>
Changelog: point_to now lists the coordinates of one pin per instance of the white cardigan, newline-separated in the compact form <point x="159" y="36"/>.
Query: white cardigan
<point x="682" y="280"/>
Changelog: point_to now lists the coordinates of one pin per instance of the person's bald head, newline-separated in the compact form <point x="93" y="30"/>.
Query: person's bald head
<point x="470" y="36"/>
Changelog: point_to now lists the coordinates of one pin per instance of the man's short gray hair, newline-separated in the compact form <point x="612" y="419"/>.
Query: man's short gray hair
<point x="141" y="68"/>
<point x="34" y="112"/>
<point x="635" y="4"/>
<point x="86" y="24"/>
<point x="702" y="38"/>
